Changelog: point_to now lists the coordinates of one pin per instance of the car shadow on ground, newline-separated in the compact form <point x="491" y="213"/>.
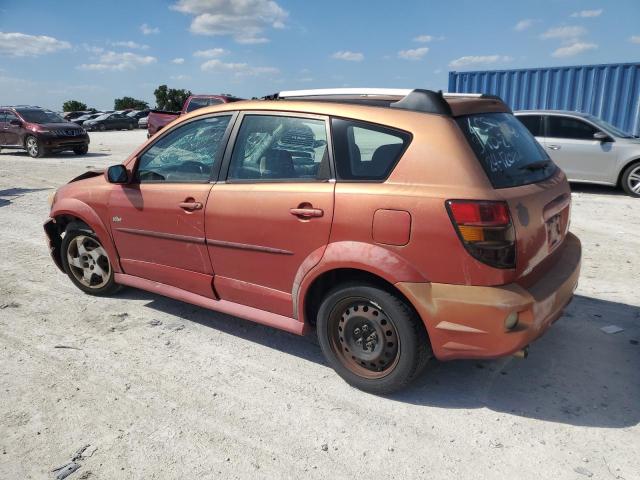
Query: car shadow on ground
<point x="596" y="189"/>
<point x="9" y="194"/>
<point x="22" y="153"/>
<point x="575" y="374"/>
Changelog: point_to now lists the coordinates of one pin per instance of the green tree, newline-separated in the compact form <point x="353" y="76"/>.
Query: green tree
<point x="170" y="99"/>
<point x="73" y="106"/>
<point x="129" y="102"/>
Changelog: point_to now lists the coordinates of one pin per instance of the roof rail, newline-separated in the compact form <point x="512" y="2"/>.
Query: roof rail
<point x="323" y="92"/>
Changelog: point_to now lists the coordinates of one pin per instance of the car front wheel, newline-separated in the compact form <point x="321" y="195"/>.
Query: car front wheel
<point x="81" y="150"/>
<point x="34" y="147"/>
<point x="631" y="180"/>
<point x="101" y="127"/>
<point x="372" y="338"/>
<point x="86" y="262"/>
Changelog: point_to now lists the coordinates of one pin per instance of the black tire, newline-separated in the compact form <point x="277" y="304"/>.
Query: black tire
<point x="34" y="147"/>
<point x="130" y="126"/>
<point x="102" y="127"/>
<point x="630" y="180"/>
<point x="101" y="286"/>
<point x="81" y="150"/>
<point x="338" y="322"/>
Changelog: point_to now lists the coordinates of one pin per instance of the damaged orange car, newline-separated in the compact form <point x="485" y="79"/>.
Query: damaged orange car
<point x="401" y="225"/>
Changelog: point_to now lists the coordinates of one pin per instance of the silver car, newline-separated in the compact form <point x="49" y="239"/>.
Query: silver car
<point x="587" y="148"/>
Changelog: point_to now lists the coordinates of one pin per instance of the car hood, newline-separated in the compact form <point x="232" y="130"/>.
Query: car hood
<point x="59" y="126"/>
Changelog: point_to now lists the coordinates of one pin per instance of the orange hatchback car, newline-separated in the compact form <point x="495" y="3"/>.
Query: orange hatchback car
<point x="400" y="224"/>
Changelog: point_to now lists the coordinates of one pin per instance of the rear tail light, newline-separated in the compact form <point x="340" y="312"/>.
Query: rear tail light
<point x="486" y="230"/>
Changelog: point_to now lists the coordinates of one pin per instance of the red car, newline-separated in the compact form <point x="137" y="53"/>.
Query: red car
<point x="158" y="119"/>
<point x="401" y="225"/>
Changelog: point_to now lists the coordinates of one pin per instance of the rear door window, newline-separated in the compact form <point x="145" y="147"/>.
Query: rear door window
<point x="366" y="151"/>
<point x="197" y="103"/>
<point x="509" y="154"/>
<point x="570" y="128"/>
<point x="533" y="124"/>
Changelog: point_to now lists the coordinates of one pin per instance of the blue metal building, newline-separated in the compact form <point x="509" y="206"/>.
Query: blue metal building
<point x="611" y="92"/>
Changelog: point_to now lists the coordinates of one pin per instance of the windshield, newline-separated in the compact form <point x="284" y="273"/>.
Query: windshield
<point x="606" y="126"/>
<point x="40" y="116"/>
<point x="196" y="103"/>
<point x="506" y="149"/>
<point x="103" y="116"/>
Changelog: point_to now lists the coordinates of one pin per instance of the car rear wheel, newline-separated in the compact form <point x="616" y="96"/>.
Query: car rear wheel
<point x="372" y="338"/>
<point x="86" y="262"/>
<point x="34" y="147"/>
<point x="81" y="150"/>
<point x="101" y="127"/>
<point x="631" y="180"/>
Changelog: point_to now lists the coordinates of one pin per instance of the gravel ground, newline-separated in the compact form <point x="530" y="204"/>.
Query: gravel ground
<point x="161" y="389"/>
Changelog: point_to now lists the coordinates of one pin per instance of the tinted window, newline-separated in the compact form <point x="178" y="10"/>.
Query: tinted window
<point x="506" y="149"/>
<point x="11" y="116"/>
<point x="365" y="151"/>
<point x="565" y="127"/>
<point x="186" y="154"/>
<point x="40" y="116"/>
<point x="196" y="103"/>
<point x="280" y="148"/>
<point x="533" y="124"/>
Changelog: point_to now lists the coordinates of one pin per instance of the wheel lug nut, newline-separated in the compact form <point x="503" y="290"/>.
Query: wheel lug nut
<point x="356" y="331"/>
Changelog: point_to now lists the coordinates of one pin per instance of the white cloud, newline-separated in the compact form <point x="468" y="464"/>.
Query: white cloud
<point x="129" y="44"/>
<point x="634" y="39"/>
<point x="574" y="49"/>
<point x="211" y="53"/>
<point x="523" y="25"/>
<point x="413" y="54"/>
<point x="118" y="61"/>
<point x="479" y="60"/>
<point x="587" y="13"/>
<point x="92" y="49"/>
<point x="348" y="56"/>
<point x="147" y="30"/>
<point x="244" y="20"/>
<point x="238" y="69"/>
<point x="180" y="77"/>
<point x="564" y="32"/>
<point x="22" y="45"/>
<point x="178" y="61"/>
<point x="423" y="38"/>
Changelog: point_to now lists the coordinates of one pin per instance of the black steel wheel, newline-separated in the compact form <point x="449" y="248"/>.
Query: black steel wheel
<point x="372" y="338"/>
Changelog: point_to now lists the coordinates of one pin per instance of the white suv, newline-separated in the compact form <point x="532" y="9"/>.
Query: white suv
<point x="587" y="148"/>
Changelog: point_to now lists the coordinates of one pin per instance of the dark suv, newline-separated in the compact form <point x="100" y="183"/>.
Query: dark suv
<point x="40" y="131"/>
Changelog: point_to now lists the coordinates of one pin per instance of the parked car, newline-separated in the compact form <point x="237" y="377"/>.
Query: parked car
<point x="80" y="120"/>
<point x="158" y="119"/>
<point x="111" y="121"/>
<point x="138" y="114"/>
<point x="143" y="122"/>
<point x="587" y="148"/>
<point x="434" y="226"/>
<point x="40" y="131"/>
<point x="73" y="115"/>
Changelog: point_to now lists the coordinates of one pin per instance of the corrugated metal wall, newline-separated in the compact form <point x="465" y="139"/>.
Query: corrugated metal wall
<point x="611" y="92"/>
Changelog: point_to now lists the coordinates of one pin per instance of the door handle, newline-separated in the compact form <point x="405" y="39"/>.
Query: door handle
<point x="308" y="212"/>
<point x="190" y="206"/>
<point x="553" y="147"/>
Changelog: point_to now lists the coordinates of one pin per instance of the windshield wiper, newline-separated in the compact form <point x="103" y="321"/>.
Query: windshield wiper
<point x="541" y="165"/>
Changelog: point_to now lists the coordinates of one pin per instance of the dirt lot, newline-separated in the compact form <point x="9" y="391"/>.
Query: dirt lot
<point x="162" y="389"/>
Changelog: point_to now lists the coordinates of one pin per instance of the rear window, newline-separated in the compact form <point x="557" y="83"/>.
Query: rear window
<point x="506" y="149"/>
<point x="197" y="103"/>
<point x="366" y="151"/>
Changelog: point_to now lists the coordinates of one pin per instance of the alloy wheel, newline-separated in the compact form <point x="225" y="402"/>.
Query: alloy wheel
<point x="32" y="146"/>
<point x="364" y="338"/>
<point x="88" y="262"/>
<point x="633" y="180"/>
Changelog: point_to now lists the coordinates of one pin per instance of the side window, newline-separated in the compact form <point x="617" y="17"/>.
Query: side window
<point x="533" y="124"/>
<point x="365" y="151"/>
<point x="270" y="147"/>
<point x="565" y="127"/>
<point x="187" y="154"/>
<point x="10" y="117"/>
<point x="3" y="116"/>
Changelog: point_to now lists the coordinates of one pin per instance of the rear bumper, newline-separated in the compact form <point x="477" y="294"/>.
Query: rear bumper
<point x="469" y="321"/>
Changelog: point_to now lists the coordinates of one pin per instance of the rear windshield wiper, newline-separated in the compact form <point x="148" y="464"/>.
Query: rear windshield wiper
<point x="541" y="165"/>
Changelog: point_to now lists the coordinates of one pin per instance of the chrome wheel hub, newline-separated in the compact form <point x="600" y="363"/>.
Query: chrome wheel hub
<point x="88" y="262"/>
<point x="634" y="180"/>
<point x="32" y="146"/>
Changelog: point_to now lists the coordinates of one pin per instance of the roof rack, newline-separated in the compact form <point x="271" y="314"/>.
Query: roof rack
<point x="417" y="100"/>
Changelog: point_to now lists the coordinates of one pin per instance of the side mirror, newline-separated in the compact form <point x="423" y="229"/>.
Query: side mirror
<point x="15" y="122"/>
<point x="117" y="174"/>
<point x="603" y="137"/>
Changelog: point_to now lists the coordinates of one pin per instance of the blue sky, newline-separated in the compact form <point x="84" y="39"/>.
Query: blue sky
<point x="95" y="51"/>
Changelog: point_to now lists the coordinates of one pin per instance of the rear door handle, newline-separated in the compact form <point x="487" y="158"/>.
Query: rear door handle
<point x="553" y="147"/>
<point x="307" y="212"/>
<point x="190" y="206"/>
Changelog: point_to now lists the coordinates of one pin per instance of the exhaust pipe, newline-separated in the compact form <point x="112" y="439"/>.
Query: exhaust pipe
<point x="524" y="353"/>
